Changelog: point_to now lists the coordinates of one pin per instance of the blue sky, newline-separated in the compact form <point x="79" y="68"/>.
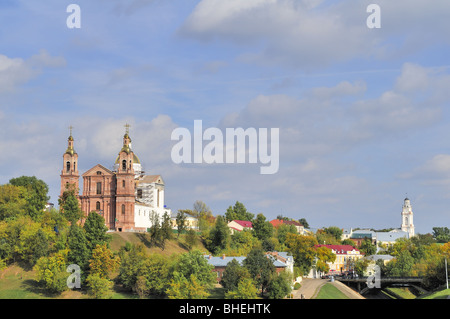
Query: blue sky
<point x="363" y="113"/>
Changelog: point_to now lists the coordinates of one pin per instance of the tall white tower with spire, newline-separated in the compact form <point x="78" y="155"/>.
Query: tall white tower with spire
<point x="407" y="218"/>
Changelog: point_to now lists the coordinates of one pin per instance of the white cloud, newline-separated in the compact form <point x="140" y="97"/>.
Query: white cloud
<point x="15" y="72"/>
<point x="312" y="34"/>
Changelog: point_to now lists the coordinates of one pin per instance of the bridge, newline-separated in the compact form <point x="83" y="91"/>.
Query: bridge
<point x="384" y="282"/>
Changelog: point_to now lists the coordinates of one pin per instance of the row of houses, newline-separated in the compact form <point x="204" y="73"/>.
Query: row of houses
<point x="346" y="255"/>
<point x="281" y="260"/>
<point x="240" y="225"/>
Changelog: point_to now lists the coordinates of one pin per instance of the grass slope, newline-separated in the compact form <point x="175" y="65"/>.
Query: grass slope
<point x="328" y="291"/>
<point x="17" y="282"/>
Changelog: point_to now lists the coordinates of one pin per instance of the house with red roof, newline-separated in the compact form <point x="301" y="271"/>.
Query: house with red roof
<point x="300" y="228"/>
<point x="239" y="225"/>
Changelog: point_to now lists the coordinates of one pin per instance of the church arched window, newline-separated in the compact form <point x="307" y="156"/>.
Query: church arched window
<point x="124" y="165"/>
<point x="97" y="205"/>
<point x="68" y="166"/>
<point x="99" y="188"/>
<point x="123" y="183"/>
<point x="123" y="209"/>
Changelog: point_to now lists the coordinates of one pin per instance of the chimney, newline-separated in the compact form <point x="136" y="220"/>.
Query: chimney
<point x="223" y="256"/>
<point x="210" y="257"/>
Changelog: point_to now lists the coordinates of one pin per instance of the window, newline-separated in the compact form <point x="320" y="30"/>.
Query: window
<point x="157" y="199"/>
<point x="99" y="188"/>
<point x="139" y="193"/>
<point x="123" y="183"/>
<point x="68" y="166"/>
<point x="99" y="173"/>
<point x="123" y="209"/>
<point x="74" y="166"/>
<point x="97" y="205"/>
<point x="124" y="165"/>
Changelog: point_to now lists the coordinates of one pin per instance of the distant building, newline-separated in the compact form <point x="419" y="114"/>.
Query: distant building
<point x="49" y="206"/>
<point x="239" y="225"/>
<point x="190" y="222"/>
<point x="125" y="196"/>
<point x="346" y="256"/>
<point x="300" y="228"/>
<point x="281" y="261"/>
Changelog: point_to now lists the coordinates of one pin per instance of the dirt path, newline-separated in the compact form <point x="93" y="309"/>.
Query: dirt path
<point x="310" y="288"/>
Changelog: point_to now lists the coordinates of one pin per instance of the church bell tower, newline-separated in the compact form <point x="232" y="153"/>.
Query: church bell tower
<point x="407" y="218"/>
<point x="69" y="174"/>
<point x="125" y="185"/>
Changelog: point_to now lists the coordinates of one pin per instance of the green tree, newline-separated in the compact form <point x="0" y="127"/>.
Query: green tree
<point x="157" y="274"/>
<point x="155" y="228"/>
<point x="304" y="222"/>
<point x="334" y="231"/>
<point x="280" y="285"/>
<point x="186" y="288"/>
<point x="238" y="212"/>
<point x="13" y="201"/>
<point x="51" y="272"/>
<point x="181" y="222"/>
<point x="367" y="247"/>
<point x="245" y="290"/>
<point x="95" y="230"/>
<point x="194" y="263"/>
<point x="37" y="194"/>
<point x="191" y="238"/>
<point x="401" y="266"/>
<point x="283" y="230"/>
<point x="165" y="231"/>
<point x="233" y="274"/>
<point x="132" y="265"/>
<point x="260" y="267"/>
<point x="99" y="287"/>
<point x="70" y="206"/>
<point x="302" y="249"/>
<point x="262" y="228"/>
<point x="219" y="236"/>
<point x="77" y="243"/>
<point x="441" y="234"/>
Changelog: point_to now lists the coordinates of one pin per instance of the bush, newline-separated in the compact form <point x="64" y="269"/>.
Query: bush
<point x="98" y="287"/>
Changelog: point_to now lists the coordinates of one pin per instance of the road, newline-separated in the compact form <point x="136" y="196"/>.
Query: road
<point x="310" y="288"/>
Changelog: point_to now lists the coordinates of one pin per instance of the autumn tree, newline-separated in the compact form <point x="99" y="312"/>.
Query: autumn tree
<point x="103" y="261"/>
<point x="245" y="290"/>
<point x="302" y="249"/>
<point x="37" y="191"/>
<point x="51" y="272"/>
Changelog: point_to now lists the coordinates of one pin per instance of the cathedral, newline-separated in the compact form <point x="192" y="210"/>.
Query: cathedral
<point x="124" y="196"/>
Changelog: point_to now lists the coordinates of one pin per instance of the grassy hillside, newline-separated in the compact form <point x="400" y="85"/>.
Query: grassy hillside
<point x="442" y="294"/>
<point x="173" y="246"/>
<point x="17" y="282"/>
